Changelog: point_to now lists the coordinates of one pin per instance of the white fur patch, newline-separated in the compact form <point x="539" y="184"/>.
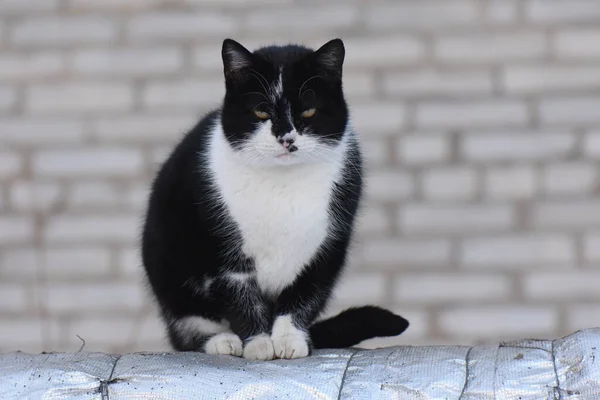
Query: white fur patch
<point x="224" y="343"/>
<point x="288" y="341"/>
<point x="280" y="204"/>
<point x="259" y="348"/>
<point x="239" y="277"/>
<point x="196" y="324"/>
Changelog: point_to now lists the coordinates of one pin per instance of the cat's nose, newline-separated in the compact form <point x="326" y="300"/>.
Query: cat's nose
<point x="286" y="142"/>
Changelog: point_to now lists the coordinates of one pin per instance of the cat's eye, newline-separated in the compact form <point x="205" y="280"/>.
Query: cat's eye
<point x="309" y="113"/>
<point x="262" y="114"/>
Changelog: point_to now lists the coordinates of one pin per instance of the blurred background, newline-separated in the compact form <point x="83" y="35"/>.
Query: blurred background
<point x="480" y="121"/>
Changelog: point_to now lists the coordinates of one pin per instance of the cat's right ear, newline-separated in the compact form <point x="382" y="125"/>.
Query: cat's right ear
<point x="236" y="58"/>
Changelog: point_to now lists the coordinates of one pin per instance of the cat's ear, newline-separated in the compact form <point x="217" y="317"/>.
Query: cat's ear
<point x="330" y="56"/>
<point x="235" y="58"/>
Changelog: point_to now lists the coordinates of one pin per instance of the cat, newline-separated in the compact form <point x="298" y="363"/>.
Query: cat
<point x="250" y="217"/>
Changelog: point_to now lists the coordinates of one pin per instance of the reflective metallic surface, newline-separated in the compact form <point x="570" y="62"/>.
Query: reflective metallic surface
<point x="567" y="368"/>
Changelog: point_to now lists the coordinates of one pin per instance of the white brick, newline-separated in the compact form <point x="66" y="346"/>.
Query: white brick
<point x="460" y="114"/>
<point x="143" y="127"/>
<point x="88" y="162"/>
<point x="565" y="178"/>
<point x="567" y="213"/>
<point x="8" y="97"/>
<point x="34" y="196"/>
<point x="22" y="332"/>
<point x="400" y="253"/>
<point x="545" y="78"/>
<point x="236" y="3"/>
<point x="135" y="197"/>
<point x="88" y="195"/>
<point x="129" y="263"/>
<point x="485" y="48"/>
<point x="421" y="15"/>
<point x="451" y="287"/>
<point x="361" y="287"/>
<point x="377" y="118"/>
<point x="511" y="182"/>
<point x="563" y="11"/>
<point x="14" y="229"/>
<point x="565" y="286"/>
<point x="36" y="131"/>
<point x="374" y="220"/>
<point x="449" y="183"/>
<point x="27" y="6"/>
<point x="93" y="297"/>
<point x="579" y="43"/>
<point x="517" y="145"/>
<point x="75" y="262"/>
<point x="570" y="110"/>
<point x="64" y="30"/>
<point x="439" y="83"/>
<point x="113" y="4"/>
<point x="13" y="298"/>
<point x="100" y="228"/>
<point x="325" y="17"/>
<point x="29" y="66"/>
<point x="591" y="144"/>
<point x="518" y="251"/>
<point x="591" y="246"/>
<point x="10" y="164"/>
<point x="160" y="154"/>
<point x="208" y="57"/>
<point x="99" y="332"/>
<point x="458" y="219"/>
<point x="423" y="149"/>
<point x="382" y="51"/>
<point x="497" y="321"/>
<point x="389" y="185"/>
<point x="19" y="263"/>
<point x="502" y="11"/>
<point x="180" y="25"/>
<point x="128" y="62"/>
<point x="358" y="85"/>
<point x="375" y="151"/>
<point x="582" y="316"/>
<point x="79" y="97"/>
<point x="183" y="93"/>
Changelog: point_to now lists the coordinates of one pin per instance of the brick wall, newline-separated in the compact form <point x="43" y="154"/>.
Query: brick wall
<point x="481" y="125"/>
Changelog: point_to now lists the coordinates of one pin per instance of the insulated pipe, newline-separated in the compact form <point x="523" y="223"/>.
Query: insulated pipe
<point x="567" y="368"/>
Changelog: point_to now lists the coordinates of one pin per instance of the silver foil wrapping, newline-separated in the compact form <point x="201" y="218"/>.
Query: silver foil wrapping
<point x="567" y="368"/>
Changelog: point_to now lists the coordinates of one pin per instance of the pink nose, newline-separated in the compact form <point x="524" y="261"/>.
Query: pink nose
<point x="286" y="142"/>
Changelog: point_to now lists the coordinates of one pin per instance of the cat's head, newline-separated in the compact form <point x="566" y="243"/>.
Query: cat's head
<point x="284" y="104"/>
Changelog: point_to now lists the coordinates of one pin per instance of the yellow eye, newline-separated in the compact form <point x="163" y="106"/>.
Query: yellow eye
<point x="309" y="113"/>
<point x="262" y="114"/>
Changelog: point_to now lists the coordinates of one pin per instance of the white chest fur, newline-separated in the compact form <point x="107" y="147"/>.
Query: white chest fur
<point x="282" y="212"/>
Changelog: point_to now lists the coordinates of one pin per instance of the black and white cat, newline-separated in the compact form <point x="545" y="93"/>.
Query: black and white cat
<point x="251" y="216"/>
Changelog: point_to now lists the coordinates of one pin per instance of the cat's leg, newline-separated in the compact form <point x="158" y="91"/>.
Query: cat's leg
<point x="300" y="303"/>
<point x="195" y="333"/>
<point x="248" y="313"/>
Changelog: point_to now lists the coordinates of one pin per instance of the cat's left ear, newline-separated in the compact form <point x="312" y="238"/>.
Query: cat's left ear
<point x="235" y="58"/>
<point x="330" y="57"/>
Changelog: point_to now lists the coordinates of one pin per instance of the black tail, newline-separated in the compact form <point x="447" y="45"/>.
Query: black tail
<point x="354" y="325"/>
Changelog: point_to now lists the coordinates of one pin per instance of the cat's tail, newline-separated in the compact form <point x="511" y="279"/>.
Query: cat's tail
<point x="354" y="325"/>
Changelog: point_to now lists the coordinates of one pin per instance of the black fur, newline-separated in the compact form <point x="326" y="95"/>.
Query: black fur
<point x="184" y="244"/>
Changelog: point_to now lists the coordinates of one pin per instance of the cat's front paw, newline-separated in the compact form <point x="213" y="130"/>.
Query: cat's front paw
<point x="289" y="341"/>
<point x="259" y="348"/>
<point x="224" y="343"/>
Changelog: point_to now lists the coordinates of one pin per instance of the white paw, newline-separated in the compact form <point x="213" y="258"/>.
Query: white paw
<point x="224" y="343"/>
<point x="288" y="341"/>
<point x="259" y="348"/>
<point x="290" y="346"/>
